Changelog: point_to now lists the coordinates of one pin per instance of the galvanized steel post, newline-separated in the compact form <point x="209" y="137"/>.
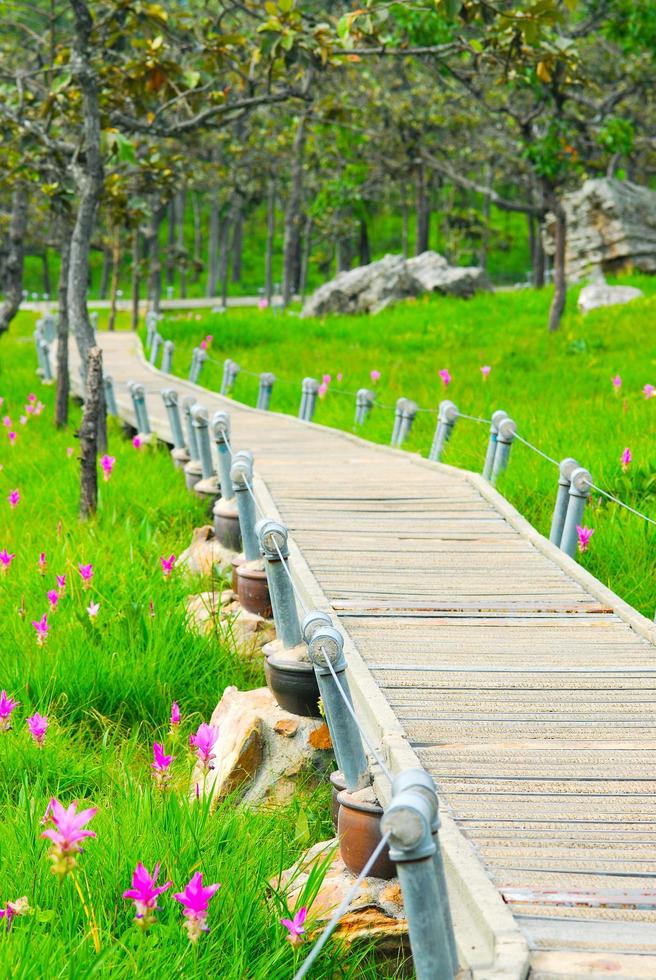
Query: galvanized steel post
<point x="151" y="327"/>
<point x="201" y="357"/>
<point x="267" y="381"/>
<point x="154" y="350"/>
<point x="327" y="642"/>
<point x="110" y="397"/>
<point x="131" y="385"/>
<point x="507" y="429"/>
<point x="408" y="413"/>
<point x="221" y="433"/>
<point x="45" y="360"/>
<point x="241" y="474"/>
<point x="193" y="368"/>
<point x="497" y="417"/>
<point x="364" y="401"/>
<point x="579" y="491"/>
<point x="200" y="422"/>
<point x="170" y="399"/>
<point x="167" y="356"/>
<point x="408" y="821"/>
<point x="309" y="392"/>
<point x="141" y="409"/>
<point x="230" y="372"/>
<point x="192" y="443"/>
<point x="314" y="620"/>
<point x="273" y="544"/>
<point x="567" y="467"/>
<point x="446" y="419"/>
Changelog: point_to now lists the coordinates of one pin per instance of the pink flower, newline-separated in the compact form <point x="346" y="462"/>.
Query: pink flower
<point x="167" y="565"/>
<point x="485" y="370"/>
<point x="137" y="442"/>
<point x="375" y="376"/>
<point x="86" y="573"/>
<point x="31" y="398"/>
<point x="19" y="907"/>
<point x="326" y="379"/>
<point x="7" y="705"/>
<point x="42" y="562"/>
<point x="42" y="628"/>
<point x="205" y="740"/>
<point x="262" y="304"/>
<point x="7" y="421"/>
<point x="195" y="899"/>
<point x="175" y="716"/>
<point x="209" y="339"/>
<point x="161" y="765"/>
<point x="323" y="390"/>
<point x="12" y="438"/>
<point x="6" y="559"/>
<point x="66" y="835"/>
<point x="29" y="409"/>
<point x="93" y="609"/>
<point x="39" y="408"/>
<point x="107" y="465"/>
<point x="340" y="376"/>
<point x="625" y="459"/>
<point x="203" y="345"/>
<point x="584" y="534"/>
<point x="616" y="382"/>
<point x="53" y="598"/>
<point x="649" y="391"/>
<point x="445" y="376"/>
<point x="144" y="893"/>
<point x="23" y="420"/>
<point x="295" y="926"/>
<point x="61" y="583"/>
<point x="69" y="451"/>
<point x="38" y="726"/>
<point x="14" y="498"/>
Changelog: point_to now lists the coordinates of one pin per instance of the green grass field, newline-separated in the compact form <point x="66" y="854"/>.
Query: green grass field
<point x="557" y="387"/>
<point x="107" y="686"/>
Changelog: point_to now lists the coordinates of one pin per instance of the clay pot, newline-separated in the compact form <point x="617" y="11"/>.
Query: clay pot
<point x="339" y="785"/>
<point x="236" y="562"/>
<point x="358" y="827"/>
<point x="253" y="589"/>
<point x="226" y="525"/>
<point x="293" y="685"/>
<point x="193" y="473"/>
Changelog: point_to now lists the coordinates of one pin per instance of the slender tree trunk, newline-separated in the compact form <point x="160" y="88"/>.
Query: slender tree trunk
<point x="224" y="242"/>
<point x="15" y="258"/>
<point x="560" y="280"/>
<point x="364" y="248"/>
<point x="105" y="274"/>
<point x="213" y="244"/>
<point x="485" y="234"/>
<point x="63" y="378"/>
<point x="404" y="226"/>
<point x="270" y="239"/>
<point x="180" y="250"/>
<point x="116" y="272"/>
<point x="46" y="272"/>
<point x="198" y="237"/>
<point x="305" y="255"/>
<point x="422" y="208"/>
<point x="538" y="258"/>
<point x="237" y="241"/>
<point x="136" y="278"/>
<point x="170" y="243"/>
<point x="293" y="214"/>
<point x="89" y="434"/>
<point x="154" y="259"/>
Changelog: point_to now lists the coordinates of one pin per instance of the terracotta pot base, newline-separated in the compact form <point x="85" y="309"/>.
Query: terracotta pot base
<point x="226" y="525"/>
<point x="293" y="685"/>
<point x="358" y="826"/>
<point x="253" y="589"/>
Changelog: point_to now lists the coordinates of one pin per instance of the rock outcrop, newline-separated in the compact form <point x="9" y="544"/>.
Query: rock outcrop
<point x="598" y="294"/>
<point x="370" y="288"/>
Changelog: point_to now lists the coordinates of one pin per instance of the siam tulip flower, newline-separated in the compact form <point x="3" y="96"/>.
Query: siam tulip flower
<point x="61" y="583"/>
<point x="31" y="398"/>
<point x="42" y="628"/>
<point x="7" y="421"/>
<point x="38" y="726"/>
<point x="209" y="339"/>
<point x="53" y="598"/>
<point x="616" y="382"/>
<point x="584" y="534"/>
<point x="69" y="451"/>
<point x="625" y="459"/>
<point x="340" y="376"/>
<point x="323" y="390"/>
<point x="66" y="834"/>
<point x="161" y="766"/>
<point x="137" y="442"/>
<point x="263" y="303"/>
<point x="12" y="438"/>
<point x="167" y="565"/>
<point x="22" y="420"/>
<point x="375" y="376"/>
<point x="175" y="717"/>
<point x="326" y="379"/>
<point x="7" y="705"/>
<point x="29" y="409"/>
<point x="86" y="573"/>
<point x="107" y="465"/>
<point x="144" y="893"/>
<point x="203" y="345"/>
<point x="205" y="740"/>
<point x="485" y="370"/>
<point x="295" y="927"/>
<point x="649" y="391"/>
<point x="6" y="558"/>
<point x="14" y="498"/>
<point x="42" y="563"/>
<point x="195" y="899"/>
<point x="445" y="377"/>
<point x="39" y="408"/>
<point x="19" y="907"/>
<point x="93" y="608"/>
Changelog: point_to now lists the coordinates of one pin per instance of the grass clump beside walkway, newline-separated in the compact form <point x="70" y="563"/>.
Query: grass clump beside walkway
<point x="558" y="388"/>
<point x="104" y="668"/>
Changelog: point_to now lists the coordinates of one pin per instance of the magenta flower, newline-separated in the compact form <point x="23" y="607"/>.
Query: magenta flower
<point x="7" y="422"/>
<point x="23" y="420"/>
<point x="195" y="899"/>
<point x="584" y="534"/>
<point x="137" y="442"/>
<point x="86" y="573"/>
<point x="29" y="409"/>
<point x="14" y="498"/>
<point x="263" y="303"/>
<point x="167" y="565"/>
<point x="38" y="726"/>
<point x="66" y="834"/>
<point x="326" y="379"/>
<point x="161" y="766"/>
<point x="19" y="907"/>
<point x="7" y="705"/>
<point x="203" y="345"/>
<point x="649" y="391"/>
<point x="209" y="339"/>
<point x="144" y="893"/>
<point x="375" y="376"/>
<point x="445" y="377"/>
<point x="625" y="459"/>
<point x="39" y="408"/>
<point x="485" y="370"/>
<point x="31" y="398"/>
<point x="41" y="627"/>
<point x="92" y="609"/>
<point x="616" y="382"/>
<point x="107" y="465"/>
<point x="6" y="559"/>
<point x="12" y="438"/>
<point x="61" y="583"/>
<point x="53" y="598"/>
<point x="204" y="740"/>
<point x="175" y="716"/>
<point x="295" y="927"/>
<point x="323" y="390"/>
<point x="42" y="562"/>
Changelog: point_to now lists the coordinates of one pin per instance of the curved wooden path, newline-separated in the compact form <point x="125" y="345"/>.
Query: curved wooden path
<point x="518" y="680"/>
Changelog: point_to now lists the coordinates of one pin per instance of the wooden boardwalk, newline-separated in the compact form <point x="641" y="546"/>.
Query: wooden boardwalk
<point x="525" y="687"/>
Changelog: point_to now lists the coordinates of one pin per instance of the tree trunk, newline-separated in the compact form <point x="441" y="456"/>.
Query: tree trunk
<point x="154" y="259"/>
<point x="170" y="243"/>
<point x="364" y="248"/>
<point x="559" y="278"/>
<point x="89" y="434"/>
<point x="104" y="275"/>
<point x="293" y="215"/>
<point x="213" y="244"/>
<point x="46" y="272"/>
<point x="116" y="271"/>
<point x="136" y="279"/>
<point x="63" y="378"/>
<point x="485" y="234"/>
<point x="180" y="251"/>
<point x="224" y="239"/>
<point x="305" y="255"/>
<point x="270" y="239"/>
<point x="198" y="238"/>
<point x="15" y="258"/>
<point x="404" y="227"/>
<point x="538" y="258"/>
<point x="237" y="241"/>
<point x="422" y="208"/>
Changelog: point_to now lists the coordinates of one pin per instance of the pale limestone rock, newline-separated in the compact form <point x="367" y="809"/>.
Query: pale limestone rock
<point x="205" y="554"/>
<point x="596" y="295"/>
<point x="220" y="612"/>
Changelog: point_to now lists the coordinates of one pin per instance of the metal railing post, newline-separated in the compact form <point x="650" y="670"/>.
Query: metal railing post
<point x="110" y="396"/>
<point x="200" y="422"/>
<point x="170" y="399"/>
<point x="221" y="432"/>
<point x="566" y="468"/>
<point x="45" y="354"/>
<point x="578" y="493"/>
<point x="267" y="381"/>
<point x="408" y="413"/>
<point x="364" y="402"/>
<point x="192" y="367"/>
<point x="136" y="405"/>
<point x="446" y="419"/>
<point x="230" y="372"/>
<point x="408" y="820"/>
<point x="309" y="392"/>
<point x="154" y="350"/>
<point x="400" y="402"/>
<point x="192" y="444"/>
<point x="314" y="620"/>
<point x="327" y="642"/>
<point x="151" y="327"/>
<point x="271" y="534"/>
<point x="505" y="435"/>
<point x="241" y="474"/>
<point x="167" y="356"/>
<point x="140" y="407"/>
<point x="488" y="465"/>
